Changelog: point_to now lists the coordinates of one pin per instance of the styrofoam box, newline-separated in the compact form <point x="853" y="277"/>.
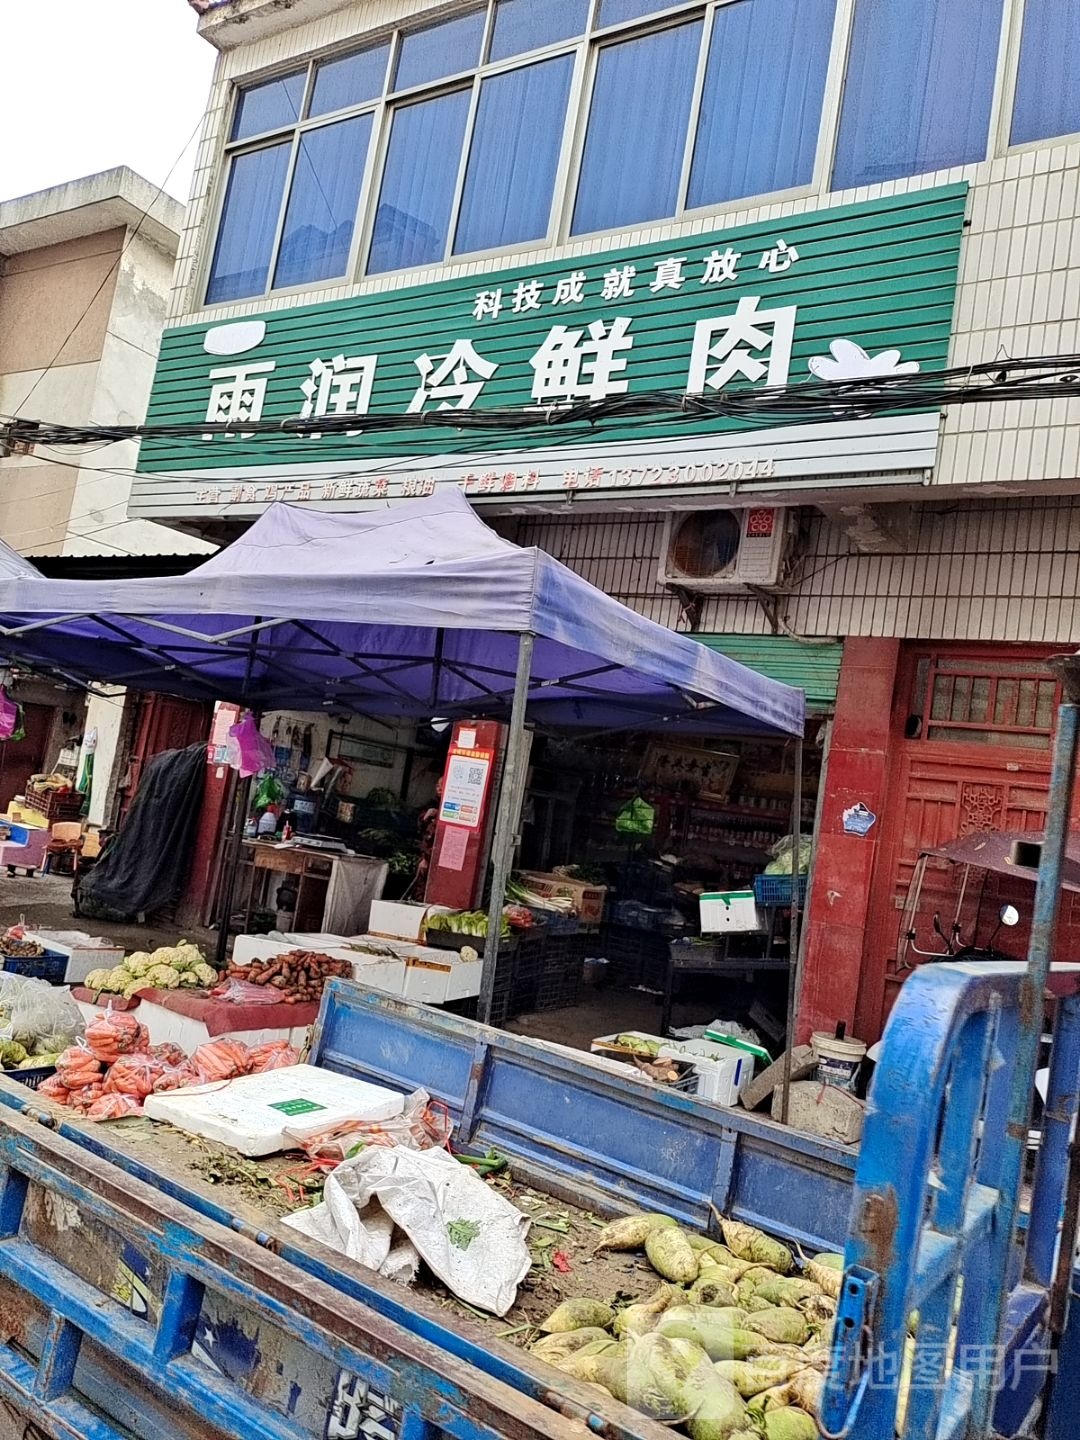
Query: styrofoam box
<point x="399" y="920"/>
<point x="252" y="1113"/>
<point x="729" y="910"/>
<point x="84" y="952"/>
<point x="722" y="1072"/>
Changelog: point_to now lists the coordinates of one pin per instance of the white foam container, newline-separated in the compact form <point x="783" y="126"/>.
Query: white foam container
<point x="253" y="1112"/>
<point x="84" y="952"/>
<point x="730" y="911"/>
<point x="722" y="1072"/>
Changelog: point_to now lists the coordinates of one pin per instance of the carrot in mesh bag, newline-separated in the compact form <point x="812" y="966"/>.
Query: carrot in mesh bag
<point x="115" y="1033"/>
<point x="221" y="1060"/>
<point x="424" y="1124"/>
<point x="274" y="1055"/>
<point x="134" y="1075"/>
<point x="55" y="1090"/>
<point x="85" y="1096"/>
<point x="77" y="1066"/>
<point x="168" y="1053"/>
<point x="114" y="1107"/>
<point x="176" y="1077"/>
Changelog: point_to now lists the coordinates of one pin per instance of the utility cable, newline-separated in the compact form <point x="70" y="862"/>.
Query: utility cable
<point x="1035" y="378"/>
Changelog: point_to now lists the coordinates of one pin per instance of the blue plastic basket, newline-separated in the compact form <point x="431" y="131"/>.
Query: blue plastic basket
<point x="775" y="890"/>
<point x="50" y="966"/>
<point x="31" y="1077"/>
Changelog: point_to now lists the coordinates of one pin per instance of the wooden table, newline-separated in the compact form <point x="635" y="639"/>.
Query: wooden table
<point x="334" y="892"/>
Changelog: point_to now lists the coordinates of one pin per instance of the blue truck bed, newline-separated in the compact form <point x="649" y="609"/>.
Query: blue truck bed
<point x="139" y="1302"/>
<point x="573" y="1127"/>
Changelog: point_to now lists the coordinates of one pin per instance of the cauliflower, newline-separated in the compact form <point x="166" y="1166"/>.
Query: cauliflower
<point x="138" y="963"/>
<point x="188" y="979"/>
<point x="116" y="979"/>
<point x="205" y="974"/>
<point x="134" y="985"/>
<point x="188" y="956"/>
<point x="163" y="955"/>
<point x="163" y="977"/>
<point x="97" y="980"/>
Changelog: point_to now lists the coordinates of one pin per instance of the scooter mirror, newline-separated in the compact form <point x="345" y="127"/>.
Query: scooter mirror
<point x="1009" y="915"/>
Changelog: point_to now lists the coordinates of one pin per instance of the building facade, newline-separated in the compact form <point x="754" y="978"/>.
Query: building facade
<point x="85" y="276"/>
<point x="415" y="209"/>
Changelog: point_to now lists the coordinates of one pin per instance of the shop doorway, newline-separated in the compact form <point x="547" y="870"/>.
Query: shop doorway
<point x="19" y="759"/>
<point x="970" y="752"/>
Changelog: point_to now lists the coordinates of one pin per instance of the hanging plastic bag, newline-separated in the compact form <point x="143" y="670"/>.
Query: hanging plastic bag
<point x="9" y="716"/>
<point x="269" y="791"/>
<point x="246" y="750"/>
<point x="636" y="818"/>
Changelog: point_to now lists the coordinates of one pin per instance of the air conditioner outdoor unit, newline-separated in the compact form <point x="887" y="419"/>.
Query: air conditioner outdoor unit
<point x="713" y="551"/>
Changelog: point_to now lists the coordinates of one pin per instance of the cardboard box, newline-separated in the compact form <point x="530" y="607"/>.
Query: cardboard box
<point x="588" y="900"/>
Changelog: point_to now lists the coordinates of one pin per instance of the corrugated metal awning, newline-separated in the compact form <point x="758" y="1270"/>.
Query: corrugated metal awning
<point x="813" y="668"/>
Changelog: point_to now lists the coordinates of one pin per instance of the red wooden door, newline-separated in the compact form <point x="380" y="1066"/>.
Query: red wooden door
<point x="19" y="759"/>
<point x="972" y="733"/>
<point x="163" y="723"/>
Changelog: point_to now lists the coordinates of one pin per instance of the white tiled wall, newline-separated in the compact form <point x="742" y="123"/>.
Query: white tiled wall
<point x="997" y="570"/>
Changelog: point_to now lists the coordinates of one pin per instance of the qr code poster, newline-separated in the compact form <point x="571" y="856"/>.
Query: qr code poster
<point x="464" y="788"/>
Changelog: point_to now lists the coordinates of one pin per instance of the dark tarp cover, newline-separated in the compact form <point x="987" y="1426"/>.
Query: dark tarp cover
<point x="144" y="868"/>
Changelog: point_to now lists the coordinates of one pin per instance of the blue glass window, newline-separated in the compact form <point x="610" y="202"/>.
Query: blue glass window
<point x="1048" y="78"/>
<point x="248" y="225"/>
<point x="761" y="105"/>
<point x="322" y="205"/>
<point x="269" y="106"/>
<point x="522" y="25"/>
<point x="514" y="156"/>
<point x="637" y="129"/>
<point x="440" y="50"/>
<point x="612" y="11"/>
<point x="919" y="83"/>
<point x="349" y="81"/>
<point x="419" y="178"/>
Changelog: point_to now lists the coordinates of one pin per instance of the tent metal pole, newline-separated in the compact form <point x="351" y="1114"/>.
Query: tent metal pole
<point x="793" y="942"/>
<point x="243" y="796"/>
<point x="507" y="820"/>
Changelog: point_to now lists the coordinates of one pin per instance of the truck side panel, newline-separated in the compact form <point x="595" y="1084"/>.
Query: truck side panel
<point x="575" y="1120"/>
<point x="126" y="1315"/>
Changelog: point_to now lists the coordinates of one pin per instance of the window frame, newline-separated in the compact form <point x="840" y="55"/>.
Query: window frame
<point x="585" y="50"/>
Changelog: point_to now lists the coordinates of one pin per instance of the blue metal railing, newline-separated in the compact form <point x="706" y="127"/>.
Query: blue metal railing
<point x="933" y="1216"/>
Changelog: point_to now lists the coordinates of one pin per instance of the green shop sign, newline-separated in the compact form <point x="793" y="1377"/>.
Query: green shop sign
<point x="832" y="294"/>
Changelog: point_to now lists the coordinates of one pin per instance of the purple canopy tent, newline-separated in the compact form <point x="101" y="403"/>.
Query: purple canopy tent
<point x="410" y="612"/>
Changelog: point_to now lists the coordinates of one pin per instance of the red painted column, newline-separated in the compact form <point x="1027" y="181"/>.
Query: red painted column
<point x="838" y="909"/>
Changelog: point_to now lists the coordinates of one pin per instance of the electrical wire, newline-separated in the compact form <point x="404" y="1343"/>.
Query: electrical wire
<point x="1044" y="377"/>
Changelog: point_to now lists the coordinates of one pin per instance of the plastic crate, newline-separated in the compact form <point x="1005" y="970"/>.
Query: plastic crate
<point x="55" y="804"/>
<point x="634" y="956"/>
<point x="31" y="1077"/>
<point x="51" y="966"/>
<point x="775" y="890"/>
<point x="639" y="916"/>
<point x="553" y="922"/>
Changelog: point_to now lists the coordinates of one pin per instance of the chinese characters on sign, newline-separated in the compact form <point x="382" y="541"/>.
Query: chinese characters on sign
<point x="492" y="482"/>
<point x="570" y="364"/>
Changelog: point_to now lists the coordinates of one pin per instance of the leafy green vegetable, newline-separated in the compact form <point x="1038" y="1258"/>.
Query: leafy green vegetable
<point x="462" y="1233"/>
